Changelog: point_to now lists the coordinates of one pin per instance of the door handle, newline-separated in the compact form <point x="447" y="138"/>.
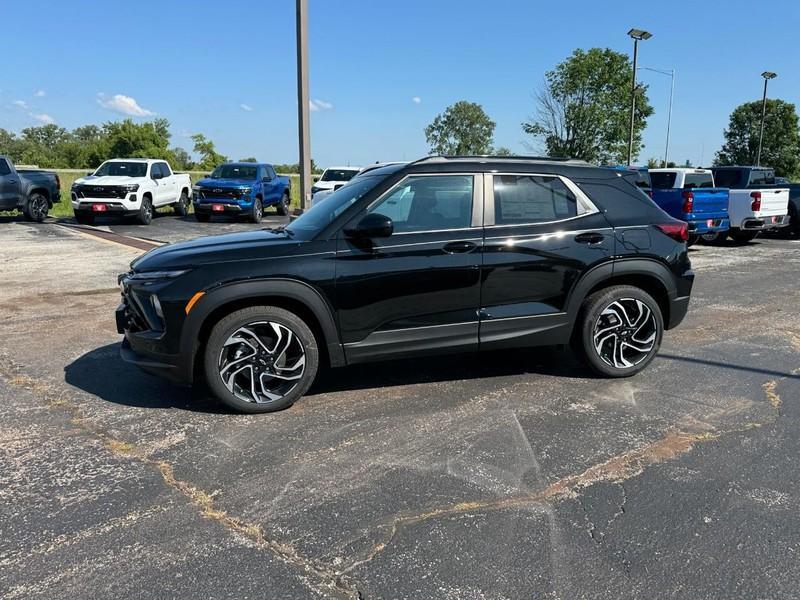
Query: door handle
<point x="589" y="238"/>
<point x="12" y="181"/>
<point x="459" y="247"/>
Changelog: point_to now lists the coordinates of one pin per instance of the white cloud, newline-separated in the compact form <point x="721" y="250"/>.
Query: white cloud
<point x="246" y="107"/>
<point x="21" y="104"/>
<point x="416" y="100"/>
<point x="40" y="94"/>
<point x="318" y="104"/>
<point x="43" y="118"/>
<point x="124" y="105"/>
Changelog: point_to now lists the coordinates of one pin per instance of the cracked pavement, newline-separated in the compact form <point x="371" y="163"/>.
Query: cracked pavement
<point x="502" y="475"/>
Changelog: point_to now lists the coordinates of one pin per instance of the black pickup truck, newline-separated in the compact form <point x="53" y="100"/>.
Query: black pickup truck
<point x="30" y="190"/>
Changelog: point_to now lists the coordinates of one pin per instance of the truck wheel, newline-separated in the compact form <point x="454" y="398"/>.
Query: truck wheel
<point x="283" y="207"/>
<point x="84" y="217"/>
<point x="257" y="212"/>
<point x="713" y="238"/>
<point x="202" y="217"/>
<point x="260" y="359"/>
<point x="145" y="215"/>
<point x="743" y="237"/>
<point x="794" y="220"/>
<point x="182" y="205"/>
<point x="36" y="208"/>
<point x="620" y="330"/>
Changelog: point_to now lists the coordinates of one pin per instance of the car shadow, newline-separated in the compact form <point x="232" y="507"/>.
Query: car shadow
<point x="102" y="373"/>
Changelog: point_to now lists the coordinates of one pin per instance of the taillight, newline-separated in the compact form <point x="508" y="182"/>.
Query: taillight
<point x="756" y="204"/>
<point x="677" y="231"/>
<point x="688" y="202"/>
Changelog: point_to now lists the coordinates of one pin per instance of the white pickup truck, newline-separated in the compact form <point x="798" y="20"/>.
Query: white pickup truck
<point x="130" y="187"/>
<point x="755" y="202"/>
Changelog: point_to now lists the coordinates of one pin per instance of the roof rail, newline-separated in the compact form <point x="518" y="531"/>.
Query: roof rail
<point x="445" y="157"/>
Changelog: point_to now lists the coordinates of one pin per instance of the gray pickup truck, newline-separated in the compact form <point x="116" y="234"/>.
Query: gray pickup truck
<point x="30" y="190"/>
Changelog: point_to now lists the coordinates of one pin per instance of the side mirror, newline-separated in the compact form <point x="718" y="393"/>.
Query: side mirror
<point x="90" y="174"/>
<point x="374" y="225"/>
<point x="337" y="186"/>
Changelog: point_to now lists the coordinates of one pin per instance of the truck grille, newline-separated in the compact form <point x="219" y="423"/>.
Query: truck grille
<point x="219" y="194"/>
<point x="100" y="191"/>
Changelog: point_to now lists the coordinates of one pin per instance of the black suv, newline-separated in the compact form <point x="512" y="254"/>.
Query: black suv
<point x="439" y="255"/>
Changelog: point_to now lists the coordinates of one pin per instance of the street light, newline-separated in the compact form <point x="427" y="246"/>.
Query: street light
<point x="636" y="34"/>
<point x="303" y="108"/>
<point x="671" y="74"/>
<point x="767" y="75"/>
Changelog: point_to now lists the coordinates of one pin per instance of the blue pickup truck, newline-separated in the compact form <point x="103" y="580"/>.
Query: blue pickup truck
<point x="241" y="189"/>
<point x="689" y="195"/>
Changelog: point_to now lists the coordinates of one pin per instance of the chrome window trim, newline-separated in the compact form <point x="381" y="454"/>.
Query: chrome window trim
<point x="523" y="236"/>
<point x="476" y="219"/>
<point x="584" y="205"/>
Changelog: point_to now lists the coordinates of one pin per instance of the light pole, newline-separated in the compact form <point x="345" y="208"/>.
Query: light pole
<point x="767" y="75"/>
<point x="671" y="73"/>
<point x="636" y="34"/>
<point x="303" y="108"/>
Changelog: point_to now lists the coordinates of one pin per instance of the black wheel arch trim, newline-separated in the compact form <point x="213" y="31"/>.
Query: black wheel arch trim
<point x="618" y="268"/>
<point x="291" y="289"/>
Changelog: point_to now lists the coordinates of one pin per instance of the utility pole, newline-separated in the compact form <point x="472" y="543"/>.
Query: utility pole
<point x="303" y="108"/>
<point x="671" y="73"/>
<point x="636" y="34"/>
<point x="767" y="75"/>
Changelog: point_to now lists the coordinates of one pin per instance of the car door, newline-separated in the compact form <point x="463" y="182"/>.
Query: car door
<point x="168" y="185"/>
<point x="9" y="186"/>
<point x="542" y="233"/>
<point x="272" y="193"/>
<point x="419" y="288"/>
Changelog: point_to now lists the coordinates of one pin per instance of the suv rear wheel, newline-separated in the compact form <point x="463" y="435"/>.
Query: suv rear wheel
<point x="260" y="359"/>
<point x="620" y="330"/>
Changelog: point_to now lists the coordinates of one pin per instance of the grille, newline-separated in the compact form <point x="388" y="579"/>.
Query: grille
<point x="219" y="194"/>
<point x="135" y="319"/>
<point x="101" y="191"/>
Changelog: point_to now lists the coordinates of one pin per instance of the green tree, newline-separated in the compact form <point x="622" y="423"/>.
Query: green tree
<point x="502" y="151"/>
<point x="248" y="159"/>
<point x="126" y="139"/>
<point x="584" y="109"/>
<point x="209" y="157"/>
<point x="181" y="160"/>
<point x="462" y="129"/>
<point x="781" y="145"/>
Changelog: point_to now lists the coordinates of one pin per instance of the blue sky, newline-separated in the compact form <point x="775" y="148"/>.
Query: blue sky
<point x="380" y="71"/>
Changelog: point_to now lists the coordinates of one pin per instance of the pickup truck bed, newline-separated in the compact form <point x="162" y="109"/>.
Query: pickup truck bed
<point x="32" y="191"/>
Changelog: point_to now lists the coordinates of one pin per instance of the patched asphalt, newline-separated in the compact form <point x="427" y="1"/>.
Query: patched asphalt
<point x="500" y="475"/>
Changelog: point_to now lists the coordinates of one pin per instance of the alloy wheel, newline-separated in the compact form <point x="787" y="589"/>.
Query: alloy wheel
<point x="38" y="208"/>
<point x="262" y="362"/>
<point x="625" y="333"/>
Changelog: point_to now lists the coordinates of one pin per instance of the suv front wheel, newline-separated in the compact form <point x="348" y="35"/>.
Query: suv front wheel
<point x="260" y="359"/>
<point x="621" y="330"/>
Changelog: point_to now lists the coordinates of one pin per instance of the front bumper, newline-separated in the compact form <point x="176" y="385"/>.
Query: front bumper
<point x="207" y="207"/>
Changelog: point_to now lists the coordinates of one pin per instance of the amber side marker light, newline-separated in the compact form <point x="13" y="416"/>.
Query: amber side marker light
<point x="193" y="301"/>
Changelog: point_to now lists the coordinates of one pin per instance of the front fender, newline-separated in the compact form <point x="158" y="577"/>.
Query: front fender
<point x="291" y="289"/>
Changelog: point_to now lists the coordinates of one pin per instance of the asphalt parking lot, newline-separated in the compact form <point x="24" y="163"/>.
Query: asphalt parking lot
<point x="502" y="475"/>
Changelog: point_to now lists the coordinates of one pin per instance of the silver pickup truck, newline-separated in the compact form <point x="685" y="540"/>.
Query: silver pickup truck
<point x="30" y="190"/>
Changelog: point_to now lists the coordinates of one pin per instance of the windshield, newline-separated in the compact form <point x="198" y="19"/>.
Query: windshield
<point x="338" y="174"/>
<point x="122" y="169"/>
<point x="235" y="172"/>
<point x="324" y="212"/>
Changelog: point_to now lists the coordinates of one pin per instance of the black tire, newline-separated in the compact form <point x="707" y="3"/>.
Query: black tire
<point x="260" y="321"/>
<point x="794" y="220"/>
<point x="598" y="315"/>
<point x="36" y="208"/>
<point x="84" y="217"/>
<point x="182" y="205"/>
<point x="202" y="217"/>
<point x="714" y="238"/>
<point x="693" y="239"/>
<point x="743" y="237"/>
<point x="145" y="216"/>
<point x="257" y="212"/>
<point x="283" y="208"/>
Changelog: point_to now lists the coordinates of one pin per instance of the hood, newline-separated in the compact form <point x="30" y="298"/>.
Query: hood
<point x="225" y="183"/>
<point x="214" y="249"/>
<point x="108" y="180"/>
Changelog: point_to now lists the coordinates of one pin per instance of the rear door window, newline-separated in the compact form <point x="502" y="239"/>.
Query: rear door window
<point x="4" y="168"/>
<point x="523" y="199"/>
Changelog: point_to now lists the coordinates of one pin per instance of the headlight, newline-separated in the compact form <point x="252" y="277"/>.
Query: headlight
<point x="153" y="275"/>
<point x="245" y="191"/>
<point x="196" y="188"/>
<point x="132" y="187"/>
